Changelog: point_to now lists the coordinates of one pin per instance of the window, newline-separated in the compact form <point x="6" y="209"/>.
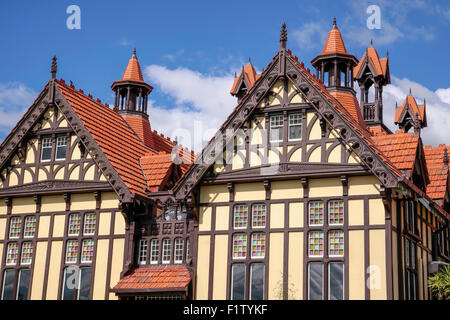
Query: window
<point x="187" y="248"/>
<point x="74" y="224"/>
<point x="258" y="245"/>
<point x="29" y="229"/>
<point x="61" y="147"/>
<point x="336" y="212"/>
<point x="316" y="213"/>
<point x="257" y="281"/>
<point x="411" y="217"/>
<point x="77" y="283"/>
<point x="166" y="251"/>
<point x="240" y="216"/>
<point x="12" y="254"/>
<point x="316" y="244"/>
<point x="179" y="244"/>
<point x="15" y="227"/>
<point x="154" y="251"/>
<point x="46" y="149"/>
<point x="276" y="128"/>
<point x="142" y="252"/>
<point x="336" y="281"/>
<point x="411" y="269"/>
<point x="23" y="284"/>
<point x="239" y="246"/>
<point x="315" y="281"/>
<point x="90" y="221"/>
<point x="8" y="284"/>
<point x="87" y="251"/>
<point x="72" y="251"/>
<point x="258" y="216"/>
<point x="295" y="126"/>
<point x="238" y="281"/>
<point x="336" y="243"/>
<point x="27" y="253"/>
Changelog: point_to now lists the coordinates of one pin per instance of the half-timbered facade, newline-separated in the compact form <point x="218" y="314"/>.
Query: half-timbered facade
<point x="303" y="193"/>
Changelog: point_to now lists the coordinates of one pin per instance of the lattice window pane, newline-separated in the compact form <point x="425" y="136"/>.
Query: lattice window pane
<point x="27" y="253"/>
<point x="167" y="246"/>
<point x="74" y="224"/>
<point x="87" y="251"/>
<point x="258" y="245"/>
<point x="276" y="128"/>
<point x="46" y="152"/>
<point x="240" y="216"/>
<point x="61" y="147"/>
<point x="239" y="246"/>
<point x="336" y="243"/>
<point x="187" y="248"/>
<point x="179" y="249"/>
<point x="295" y="126"/>
<point x="15" y="227"/>
<point x="316" y="213"/>
<point x="336" y="212"/>
<point x="316" y="243"/>
<point x="154" y="251"/>
<point x="12" y="253"/>
<point x="29" y="229"/>
<point x="90" y="223"/>
<point x="72" y="251"/>
<point x="143" y="248"/>
<point x="259" y="216"/>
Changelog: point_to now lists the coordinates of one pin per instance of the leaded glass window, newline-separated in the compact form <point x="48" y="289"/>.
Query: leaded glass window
<point x="12" y="253"/>
<point x="316" y="243"/>
<point x="258" y="245"/>
<point x="143" y="248"/>
<point x="74" y="224"/>
<point x="240" y="216"/>
<point x="29" y="229"/>
<point x="259" y="216"/>
<point x="257" y="281"/>
<point x="27" y="253"/>
<point x="61" y="147"/>
<point x="336" y="281"/>
<point x="154" y="251"/>
<point x="71" y="251"/>
<point x="87" y="251"/>
<point x="295" y="126"/>
<point x="15" y="227"/>
<point x="239" y="246"/>
<point x="179" y="249"/>
<point x="316" y="213"/>
<point x="315" y="281"/>
<point x="276" y="128"/>
<point x="90" y="222"/>
<point x="23" y="284"/>
<point x="167" y="244"/>
<point x="336" y="243"/>
<point x="238" y="281"/>
<point x="8" y="284"/>
<point x="336" y="212"/>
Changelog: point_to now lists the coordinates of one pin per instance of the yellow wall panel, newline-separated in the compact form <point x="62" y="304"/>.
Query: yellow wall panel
<point x="89" y="175"/>
<point x="203" y="258"/>
<point x="104" y="224"/>
<point x="220" y="267"/>
<point x="377" y="258"/>
<point x="44" y="226"/>
<point x="42" y="175"/>
<point x="276" y="266"/>
<point x="29" y="158"/>
<point x="249" y="191"/>
<point x="222" y="217"/>
<point x="335" y="155"/>
<point x="2" y="229"/>
<point x="101" y="265"/>
<point x="316" y="155"/>
<point x="276" y="215"/>
<point x="296" y="155"/>
<point x="295" y="266"/>
<point x="119" y="223"/>
<point x="109" y="200"/>
<point x="286" y="189"/>
<point x="376" y="211"/>
<point x="356" y="280"/>
<point x="37" y="282"/>
<point x="355" y="212"/>
<point x="238" y="160"/>
<point x="58" y="225"/>
<point x="3" y="207"/>
<point x="54" y="268"/>
<point x="296" y="215"/>
<point x="75" y="174"/>
<point x="273" y="157"/>
<point x="27" y="177"/>
<point x="116" y="264"/>
<point x="216" y="193"/>
<point x="205" y="219"/>
<point x="82" y="201"/>
<point x="329" y="187"/>
<point x="23" y="205"/>
<point x="53" y="203"/>
<point x="363" y="185"/>
<point x="13" y="179"/>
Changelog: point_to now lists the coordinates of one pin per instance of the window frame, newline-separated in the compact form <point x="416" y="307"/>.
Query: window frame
<point x="291" y="125"/>
<point x="43" y="146"/>
<point x="175" y="260"/>
<point x="278" y="127"/>
<point x="57" y="147"/>
<point x="169" y="241"/>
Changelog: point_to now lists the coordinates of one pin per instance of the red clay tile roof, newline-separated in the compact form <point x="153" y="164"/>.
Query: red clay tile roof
<point x="437" y="171"/>
<point x="249" y="73"/>
<point x="156" y="168"/>
<point x="133" y="71"/>
<point x="155" y="279"/>
<point x="400" y="148"/>
<point x="350" y="103"/>
<point x="117" y="141"/>
<point x="142" y="128"/>
<point x="334" y="43"/>
<point x="380" y="65"/>
<point x="377" y="130"/>
<point x="410" y="102"/>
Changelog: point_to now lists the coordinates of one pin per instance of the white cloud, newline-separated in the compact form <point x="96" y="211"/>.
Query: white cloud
<point x="15" y="98"/>
<point x="311" y="35"/>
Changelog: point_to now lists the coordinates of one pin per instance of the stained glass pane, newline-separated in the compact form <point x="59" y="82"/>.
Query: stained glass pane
<point x="74" y="224"/>
<point x="336" y="243"/>
<point x="240" y="216"/>
<point x="87" y="251"/>
<point x="336" y="212"/>
<point x="90" y="222"/>
<point x="258" y="245"/>
<point x="27" y="253"/>
<point x="259" y="216"/>
<point x="316" y="244"/>
<point x="239" y="246"/>
<point x="72" y="251"/>
<point x="316" y="213"/>
<point x="29" y="229"/>
<point x="15" y="227"/>
<point x="12" y="253"/>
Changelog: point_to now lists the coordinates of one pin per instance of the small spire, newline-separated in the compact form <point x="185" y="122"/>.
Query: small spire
<point x="387" y="53"/>
<point x="54" y="68"/>
<point x="134" y="53"/>
<point x="334" y="23"/>
<point x="283" y="36"/>
<point x="410" y="92"/>
<point x="396" y="105"/>
<point x="249" y="60"/>
<point x="371" y="43"/>
<point x="424" y="102"/>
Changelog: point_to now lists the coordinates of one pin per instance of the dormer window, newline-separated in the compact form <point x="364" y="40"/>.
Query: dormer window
<point x="276" y="128"/>
<point x="61" y="147"/>
<point x="46" y="150"/>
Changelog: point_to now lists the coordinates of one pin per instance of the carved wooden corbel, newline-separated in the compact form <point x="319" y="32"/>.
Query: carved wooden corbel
<point x="230" y="187"/>
<point x="344" y="181"/>
<point x="267" y="187"/>
<point x="305" y="186"/>
<point x="37" y="200"/>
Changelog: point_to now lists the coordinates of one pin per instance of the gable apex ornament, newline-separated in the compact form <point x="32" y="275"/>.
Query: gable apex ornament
<point x="54" y="67"/>
<point x="283" y="36"/>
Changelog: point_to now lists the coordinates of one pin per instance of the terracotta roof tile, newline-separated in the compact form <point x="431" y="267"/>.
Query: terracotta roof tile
<point x="350" y="103"/>
<point x="410" y="102"/>
<point x="156" y="168"/>
<point x="437" y="170"/>
<point x="334" y="43"/>
<point x="249" y="74"/>
<point x="380" y="65"/>
<point x="133" y="71"/>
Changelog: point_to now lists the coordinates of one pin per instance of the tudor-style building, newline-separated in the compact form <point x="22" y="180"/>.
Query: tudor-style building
<point x="304" y="193"/>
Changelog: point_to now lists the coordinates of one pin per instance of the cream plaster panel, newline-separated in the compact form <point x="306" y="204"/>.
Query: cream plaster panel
<point x="63" y="124"/>
<point x="295" y="266"/>
<point x="276" y="266"/>
<point x="203" y="257"/>
<point x="75" y="174"/>
<point x="109" y="200"/>
<point x="363" y="185"/>
<point x="328" y="187"/>
<point x="119" y="223"/>
<point x="315" y="132"/>
<point x="53" y="203"/>
<point x="2" y="228"/>
<point x="296" y="215"/>
<point x="316" y="155"/>
<point x="89" y="175"/>
<point x="355" y="212"/>
<point x="29" y="158"/>
<point x="335" y="155"/>
<point x="101" y="266"/>
<point x="3" y="208"/>
<point x="27" y="177"/>
<point x="220" y="267"/>
<point x="255" y="160"/>
<point x="104" y="227"/>
<point x="42" y="175"/>
<point x="37" y="282"/>
<point x="205" y="219"/>
<point x="273" y="157"/>
<point x="116" y="264"/>
<point x="59" y="225"/>
<point x="222" y="217"/>
<point x="44" y="226"/>
<point x="356" y="281"/>
<point x="376" y="211"/>
<point x="286" y="189"/>
<point x="249" y="191"/>
<point x="276" y="215"/>
<point x="215" y="193"/>
<point x="23" y="205"/>
<point x="353" y="158"/>
<point x="296" y="155"/>
<point x="13" y="179"/>
<point x="54" y="269"/>
<point x="377" y="258"/>
<point x="82" y="201"/>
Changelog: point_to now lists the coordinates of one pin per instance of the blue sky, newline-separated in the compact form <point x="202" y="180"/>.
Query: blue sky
<point x="189" y="49"/>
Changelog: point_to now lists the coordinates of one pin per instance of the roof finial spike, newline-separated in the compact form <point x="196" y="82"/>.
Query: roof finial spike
<point x="283" y="36"/>
<point x="410" y="92"/>
<point x="134" y="53"/>
<point x="387" y="53"/>
<point x="371" y="43"/>
<point x="334" y="23"/>
<point x="424" y="102"/>
<point x="396" y="105"/>
<point x="249" y="60"/>
<point x="54" y="67"/>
